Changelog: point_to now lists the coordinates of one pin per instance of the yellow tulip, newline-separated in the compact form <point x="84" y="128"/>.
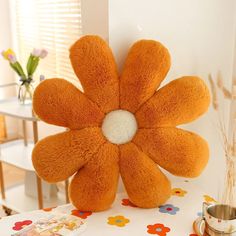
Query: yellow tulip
<point x="8" y="54"/>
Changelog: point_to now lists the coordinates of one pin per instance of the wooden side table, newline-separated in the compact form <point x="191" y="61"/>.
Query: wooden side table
<point x="18" y="154"/>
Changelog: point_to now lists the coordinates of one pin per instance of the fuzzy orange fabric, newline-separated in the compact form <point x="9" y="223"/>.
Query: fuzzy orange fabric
<point x="151" y="61"/>
<point x="57" y="110"/>
<point x="66" y="152"/>
<point x="94" y="64"/>
<point x="170" y="145"/>
<point x="94" y="186"/>
<point x="85" y="152"/>
<point x="145" y="184"/>
<point x="164" y="109"/>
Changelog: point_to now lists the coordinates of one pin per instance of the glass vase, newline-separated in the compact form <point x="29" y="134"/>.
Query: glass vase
<point x="25" y="93"/>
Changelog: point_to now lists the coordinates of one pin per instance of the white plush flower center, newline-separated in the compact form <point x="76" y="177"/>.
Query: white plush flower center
<point x="119" y="126"/>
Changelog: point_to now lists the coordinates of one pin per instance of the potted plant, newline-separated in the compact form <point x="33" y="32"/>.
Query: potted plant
<point x="25" y="91"/>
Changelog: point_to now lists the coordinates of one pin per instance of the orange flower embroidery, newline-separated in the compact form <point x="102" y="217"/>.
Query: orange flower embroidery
<point x="158" y="229"/>
<point x="127" y="202"/>
<point x="81" y="214"/>
<point x="48" y="209"/>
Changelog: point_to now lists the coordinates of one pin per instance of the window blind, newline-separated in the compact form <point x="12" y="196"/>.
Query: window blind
<point x="50" y="24"/>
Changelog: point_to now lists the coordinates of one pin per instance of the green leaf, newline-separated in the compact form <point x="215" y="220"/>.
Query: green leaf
<point x="34" y="66"/>
<point x="29" y="64"/>
<point x="15" y="68"/>
<point x="19" y="68"/>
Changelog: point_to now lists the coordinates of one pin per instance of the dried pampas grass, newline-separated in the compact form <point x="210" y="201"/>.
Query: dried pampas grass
<point x="214" y="93"/>
<point x="229" y="139"/>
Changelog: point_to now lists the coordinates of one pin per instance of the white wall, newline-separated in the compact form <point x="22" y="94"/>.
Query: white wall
<point x="6" y="73"/>
<point x="234" y="64"/>
<point x="200" y="37"/>
<point x="95" y="17"/>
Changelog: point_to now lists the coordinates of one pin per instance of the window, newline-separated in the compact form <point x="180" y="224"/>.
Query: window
<point x="50" y="24"/>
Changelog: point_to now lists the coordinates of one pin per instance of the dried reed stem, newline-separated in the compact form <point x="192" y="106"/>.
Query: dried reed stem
<point x="214" y="93"/>
<point x="229" y="193"/>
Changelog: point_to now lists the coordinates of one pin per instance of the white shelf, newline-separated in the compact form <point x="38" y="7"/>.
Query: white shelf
<point x="12" y="107"/>
<point x="16" y="154"/>
<point x="19" y="202"/>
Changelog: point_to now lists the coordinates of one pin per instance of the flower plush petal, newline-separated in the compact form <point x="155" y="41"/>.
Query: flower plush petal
<point x="58" y="102"/>
<point x="57" y="157"/>
<point x="178" y="151"/>
<point x="145" y="184"/>
<point x="181" y="101"/>
<point x="147" y="64"/>
<point x="94" y="64"/>
<point x="94" y="187"/>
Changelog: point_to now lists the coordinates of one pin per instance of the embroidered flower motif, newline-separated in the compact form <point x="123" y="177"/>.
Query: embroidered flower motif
<point x="178" y="192"/>
<point x="119" y="221"/>
<point x="21" y="224"/>
<point x="48" y="209"/>
<point x="127" y="202"/>
<point x="168" y="208"/>
<point x="81" y="214"/>
<point x="154" y="115"/>
<point x="208" y="198"/>
<point x="158" y="229"/>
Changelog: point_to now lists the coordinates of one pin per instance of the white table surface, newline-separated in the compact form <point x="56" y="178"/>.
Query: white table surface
<point x="177" y="221"/>
<point x="12" y="107"/>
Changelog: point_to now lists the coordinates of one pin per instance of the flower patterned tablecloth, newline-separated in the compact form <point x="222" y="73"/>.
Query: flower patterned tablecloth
<point x="175" y="218"/>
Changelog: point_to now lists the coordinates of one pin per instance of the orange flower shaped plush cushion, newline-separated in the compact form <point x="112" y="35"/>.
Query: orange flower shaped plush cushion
<point x="120" y="126"/>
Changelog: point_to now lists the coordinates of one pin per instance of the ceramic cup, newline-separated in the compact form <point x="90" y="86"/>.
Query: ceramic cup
<point x="219" y="219"/>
